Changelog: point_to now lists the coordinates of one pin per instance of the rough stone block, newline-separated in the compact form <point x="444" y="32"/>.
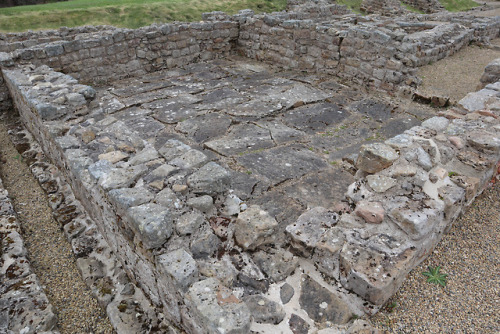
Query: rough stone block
<point x="210" y="179"/>
<point x="375" y="157"/>
<point x="152" y="222"/>
<point x="254" y="228"/>
<point x="180" y="266"/>
<point x="219" y="310"/>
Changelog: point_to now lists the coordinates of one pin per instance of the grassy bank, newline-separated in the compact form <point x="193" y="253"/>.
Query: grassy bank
<point x="135" y="13"/>
<point x="458" y="5"/>
<point x="121" y="13"/>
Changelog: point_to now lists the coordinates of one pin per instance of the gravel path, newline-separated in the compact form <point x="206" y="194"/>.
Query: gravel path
<point x="49" y="252"/>
<point x="469" y="254"/>
<point x="459" y="74"/>
<point x="470" y="302"/>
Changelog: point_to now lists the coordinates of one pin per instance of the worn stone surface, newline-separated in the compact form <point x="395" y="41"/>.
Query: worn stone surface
<point x="219" y="309"/>
<point x="209" y="179"/>
<point x="254" y="228"/>
<point x="264" y="311"/>
<point x="375" y="157"/>
<point x="153" y="223"/>
<point x="180" y="266"/>
<point x="322" y="305"/>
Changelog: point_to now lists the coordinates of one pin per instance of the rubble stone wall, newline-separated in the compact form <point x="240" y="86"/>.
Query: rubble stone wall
<point x="383" y="7"/>
<point x="426" y="6"/>
<point x="133" y="244"/>
<point x="12" y="41"/>
<point x="104" y="55"/>
<point x="5" y="100"/>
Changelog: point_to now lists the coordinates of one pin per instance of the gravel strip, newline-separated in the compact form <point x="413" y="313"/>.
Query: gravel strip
<point x="49" y="252"/>
<point x="469" y="303"/>
<point x="469" y="254"/>
<point x="459" y="74"/>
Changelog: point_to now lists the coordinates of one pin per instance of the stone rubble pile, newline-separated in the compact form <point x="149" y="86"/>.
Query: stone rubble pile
<point x="491" y="73"/>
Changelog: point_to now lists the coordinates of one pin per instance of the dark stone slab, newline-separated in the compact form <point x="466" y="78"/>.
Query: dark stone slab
<point x="176" y="109"/>
<point x="146" y="127"/>
<point x="298" y="325"/>
<point x="282" y="163"/>
<point x="243" y="184"/>
<point x="377" y="110"/>
<point x="137" y="87"/>
<point x="398" y="126"/>
<point x="254" y="108"/>
<point x="286" y="293"/>
<point x="316" y="117"/>
<point x="222" y="98"/>
<point x="205" y="127"/>
<point x="322" y="188"/>
<point x="132" y="112"/>
<point x="321" y="304"/>
<point x="160" y="94"/>
<point x="242" y="138"/>
<point x="281" y="133"/>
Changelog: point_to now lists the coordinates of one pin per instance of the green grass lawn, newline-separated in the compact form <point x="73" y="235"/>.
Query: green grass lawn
<point x="121" y="13"/>
<point x="458" y="5"/>
<point x="137" y="13"/>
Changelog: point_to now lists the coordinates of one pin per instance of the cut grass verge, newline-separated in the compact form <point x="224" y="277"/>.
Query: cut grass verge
<point x="458" y="5"/>
<point x="353" y="5"/>
<point x="121" y="13"/>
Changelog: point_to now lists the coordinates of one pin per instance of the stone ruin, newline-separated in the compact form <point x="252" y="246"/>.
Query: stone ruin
<point x="244" y="173"/>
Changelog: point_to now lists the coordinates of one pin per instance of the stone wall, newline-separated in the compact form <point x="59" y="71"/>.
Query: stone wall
<point x="111" y="54"/>
<point x="12" y="41"/>
<point x="383" y="7"/>
<point x="426" y="6"/>
<point x="380" y="54"/>
<point x="127" y="232"/>
<point x="5" y="100"/>
<point x="491" y="73"/>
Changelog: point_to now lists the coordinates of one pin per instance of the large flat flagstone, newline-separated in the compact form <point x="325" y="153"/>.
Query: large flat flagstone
<point x="315" y="117"/>
<point x="282" y="163"/>
<point x="242" y="138"/>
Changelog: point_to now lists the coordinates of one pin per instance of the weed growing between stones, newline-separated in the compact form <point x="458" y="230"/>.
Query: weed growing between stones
<point x="434" y="276"/>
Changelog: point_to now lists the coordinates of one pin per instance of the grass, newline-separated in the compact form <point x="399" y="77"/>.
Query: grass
<point x="121" y="13"/>
<point x="353" y="5"/>
<point x="412" y="9"/>
<point x="458" y="5"/>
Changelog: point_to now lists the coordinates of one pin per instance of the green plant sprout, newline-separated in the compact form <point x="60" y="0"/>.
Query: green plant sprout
<point x="434" y="276"/>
